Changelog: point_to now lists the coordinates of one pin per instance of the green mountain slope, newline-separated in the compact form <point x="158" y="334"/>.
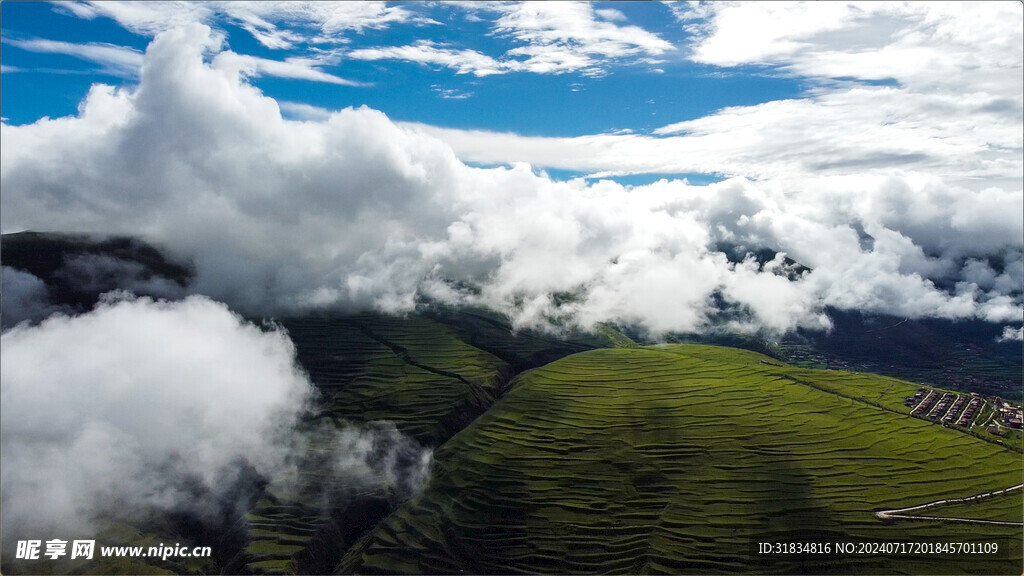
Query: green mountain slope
<point x="682" y="459"/>
<point x="413" y="371"/>
<point x="410" y="371"/>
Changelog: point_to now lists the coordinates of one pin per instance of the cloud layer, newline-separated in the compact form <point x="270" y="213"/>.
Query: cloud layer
<point x="351" y="210"/>
<point x="142" y="405"/>
<point x="24" y="297"/>
<point x="147" y="400"/>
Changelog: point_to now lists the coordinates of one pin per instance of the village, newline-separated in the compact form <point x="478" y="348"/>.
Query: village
<point x="965" y="410"/>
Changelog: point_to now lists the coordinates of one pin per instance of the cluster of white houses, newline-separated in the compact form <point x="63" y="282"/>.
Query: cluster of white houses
<point x="1011" y="416"/>
<point x="959" y="409"/>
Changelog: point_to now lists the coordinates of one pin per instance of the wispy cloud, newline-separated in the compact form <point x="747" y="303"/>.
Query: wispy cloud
<point x="294" y="68"/>
<point x="303" y="112"/>
<point x="860" y="130"/>
<point x="266" y="20"/>
<point x="427" y="52"/>
<point x="547" y="37"/>
<point x="125" y="62"/>
<point x="117" y="60"/>
<point x="568" y="36"/>
<point x="145" y="18"/>
<point x="1011" y="334"/>
<point x="611" y="15"/>
<point x="452" y="93"/>
<point x="277" y="25"/>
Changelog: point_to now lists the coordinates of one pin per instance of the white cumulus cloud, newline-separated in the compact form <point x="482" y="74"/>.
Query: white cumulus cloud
<point x="351" y="210"/>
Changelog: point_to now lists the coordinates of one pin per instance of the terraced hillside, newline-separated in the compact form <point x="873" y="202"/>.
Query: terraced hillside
<point x="304" y="523"/>
<point x="521" y="349"/>
<point x="414" y="372"/>
<point x="682" y="459"/>
<point x="411" y="371"/>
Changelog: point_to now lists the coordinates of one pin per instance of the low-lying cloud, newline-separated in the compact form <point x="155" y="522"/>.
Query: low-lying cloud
<point x="100" y="273"/>
<point x="24" y="297"/>
<point x="354" y="211"/>
<point x="147" y="405"/>
<point x="129" y="405"/>
<point x="1011" y="334"/>
<point x="336" y="463"/>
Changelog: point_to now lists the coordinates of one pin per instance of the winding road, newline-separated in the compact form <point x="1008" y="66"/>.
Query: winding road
<point x="898" y="513"/>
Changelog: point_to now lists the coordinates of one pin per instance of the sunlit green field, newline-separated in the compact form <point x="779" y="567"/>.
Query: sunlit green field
<point x="682" y="459"/>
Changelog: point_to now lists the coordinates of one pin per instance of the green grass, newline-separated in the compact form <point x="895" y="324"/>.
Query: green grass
<point x="411" y="371"/>
<point x="680" y="459"/>
<point x="414" y="371"/>
<point x="615" y="337"/>
<point x="271" y="548"/>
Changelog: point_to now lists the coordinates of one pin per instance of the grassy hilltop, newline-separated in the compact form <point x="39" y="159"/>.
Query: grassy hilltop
<point x="681" y="459"/>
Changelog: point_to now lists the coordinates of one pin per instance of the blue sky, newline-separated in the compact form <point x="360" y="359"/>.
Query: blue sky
<point x="639" y="92"/>
<point x="370" y="154"/>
